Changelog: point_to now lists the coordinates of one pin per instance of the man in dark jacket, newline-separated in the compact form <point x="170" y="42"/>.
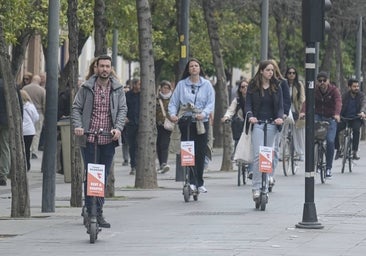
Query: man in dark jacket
<point x="328" y="104"/>
<point x="353" y="107"/>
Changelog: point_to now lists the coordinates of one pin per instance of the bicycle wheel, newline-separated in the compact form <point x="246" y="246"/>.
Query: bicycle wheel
<point x="350" y="156"/>
<point x="292" y="154"/>
<point x="244" y="172"/>
<point x="286" y="156"/>
<point x="346" y="153"/>
<point x="240" y="169"/>
<point x="321" y="164"/>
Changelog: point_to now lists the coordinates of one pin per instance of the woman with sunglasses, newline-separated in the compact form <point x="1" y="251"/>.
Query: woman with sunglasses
<point x="297" y="93"/>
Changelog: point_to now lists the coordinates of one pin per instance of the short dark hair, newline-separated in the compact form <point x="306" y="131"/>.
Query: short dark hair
<point x="351" y="81"/>
<point x="104" y="57"/>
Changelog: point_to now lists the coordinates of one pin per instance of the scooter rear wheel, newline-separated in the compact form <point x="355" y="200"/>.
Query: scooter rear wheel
<point x="93" y="232"/>
<point x="263" y="201"/>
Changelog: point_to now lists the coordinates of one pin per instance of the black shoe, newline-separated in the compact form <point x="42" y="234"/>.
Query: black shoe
<point x="125" y="163"/>
<point x="102" y="222"/>
<point x="34" y="156"/>
<point x="250" y="175"/>
<point x="2" y="182"/>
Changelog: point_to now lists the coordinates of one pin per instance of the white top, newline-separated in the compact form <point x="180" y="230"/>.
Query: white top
<point x="30" y="117"/>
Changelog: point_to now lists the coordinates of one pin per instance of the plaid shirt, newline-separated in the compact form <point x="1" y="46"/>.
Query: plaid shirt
<point x="101" y="115"/>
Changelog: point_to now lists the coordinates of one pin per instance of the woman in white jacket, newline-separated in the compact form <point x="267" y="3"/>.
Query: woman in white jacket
<point x="30" y="117"/>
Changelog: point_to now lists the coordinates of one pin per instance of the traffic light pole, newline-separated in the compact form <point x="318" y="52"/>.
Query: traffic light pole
<point x="309" y="218"/>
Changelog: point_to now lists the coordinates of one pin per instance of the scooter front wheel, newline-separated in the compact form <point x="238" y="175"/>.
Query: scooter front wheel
<point x="186" y="194"/>
<point x="263" y="199"/>
<point x="93" y="231"/>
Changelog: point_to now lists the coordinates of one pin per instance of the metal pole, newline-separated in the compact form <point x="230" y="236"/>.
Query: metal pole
<point x="309" y="219"/>
<point x="183" y="59"/>
<point x="49" y="155"/>
<point x="317" y="51"/>
<point x="359" y="50"/>
<point x="264" y="30"/>
<point x="115" y="49"/>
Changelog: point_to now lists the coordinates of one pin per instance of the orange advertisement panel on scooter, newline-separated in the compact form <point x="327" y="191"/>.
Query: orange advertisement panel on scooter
<point x="95" y="180"/>
<point x="187" y="153"/>
<point x="265" y="159"/>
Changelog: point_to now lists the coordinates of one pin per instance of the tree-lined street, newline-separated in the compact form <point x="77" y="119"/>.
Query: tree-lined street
<point x="222" y="222"/>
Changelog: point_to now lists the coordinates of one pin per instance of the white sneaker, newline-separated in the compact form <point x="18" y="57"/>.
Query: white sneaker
<point x="202" y="189"/>
<point x="164" y="168"/>
<point x="271" y="181"/>
<point x="193" y="187"/>
<point x="256" y="194"/>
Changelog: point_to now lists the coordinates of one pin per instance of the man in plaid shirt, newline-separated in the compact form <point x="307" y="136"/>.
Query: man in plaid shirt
<point x="100" y="103"/>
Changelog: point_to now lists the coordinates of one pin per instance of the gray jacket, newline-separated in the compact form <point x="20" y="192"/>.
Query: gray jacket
<point x="82" y="106"/>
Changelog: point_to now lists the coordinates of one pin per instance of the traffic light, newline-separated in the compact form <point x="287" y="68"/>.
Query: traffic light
<point x="313" y="23"/>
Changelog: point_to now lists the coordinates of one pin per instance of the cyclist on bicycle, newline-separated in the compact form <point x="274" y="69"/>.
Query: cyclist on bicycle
<point x="328" y="103"/>
<point x="354" y="105"/>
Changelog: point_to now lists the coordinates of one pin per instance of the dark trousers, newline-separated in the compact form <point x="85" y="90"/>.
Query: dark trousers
<point x="162" y="144"/>
<point x="131" y="136"/>
<point x="27" y="145"/>
<point x="105" y="154"/>
<point x="356" y="126"/>
<point x="200" y="144"/>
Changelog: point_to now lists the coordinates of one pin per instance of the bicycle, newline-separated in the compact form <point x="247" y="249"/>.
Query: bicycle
<point x="187" y="166"/>
<point x="346" y="148"/>
<point x="90" y="219"/>
<point x="243" y="168"/>
<point x="288" y="152"/>
<point x="320" y="148"/>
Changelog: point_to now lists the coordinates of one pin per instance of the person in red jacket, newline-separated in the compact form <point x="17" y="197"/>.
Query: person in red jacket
<point x="328" y="104"/>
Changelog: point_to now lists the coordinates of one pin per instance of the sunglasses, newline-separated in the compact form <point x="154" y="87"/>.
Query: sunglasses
<point x="322" y="80"/>
<point x="291" y="73"/>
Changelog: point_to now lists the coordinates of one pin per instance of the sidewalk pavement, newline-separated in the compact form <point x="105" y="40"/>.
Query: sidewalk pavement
<point x="222" y="222"/>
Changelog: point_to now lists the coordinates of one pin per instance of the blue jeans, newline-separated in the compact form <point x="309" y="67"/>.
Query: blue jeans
<point x="331" y="134"/>
<point x="257" y="141"/>
<point x="105" y="154"/>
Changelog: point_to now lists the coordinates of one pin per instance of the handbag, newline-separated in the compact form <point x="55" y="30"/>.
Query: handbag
<point x="244" y="148"/>
<point x="237" y="125"/>
<point x="168" y="125"/>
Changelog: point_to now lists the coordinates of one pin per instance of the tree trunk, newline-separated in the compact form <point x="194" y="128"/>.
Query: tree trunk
<point x="20" y="203"/>
<point x="146" y="142"/>
<point x="100" y="27"/>
<point x="72" y="78"/>
<point x="221" y="91"/>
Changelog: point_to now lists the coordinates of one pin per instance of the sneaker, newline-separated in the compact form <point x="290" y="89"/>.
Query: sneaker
<point x="337" y="155"/>
<point x="271" y="181"/>
<point x="328" y="174"/>
<point x="202" y="189"/>
<point x="102" y="222"/>
<point x="125" y="163"/>
<point x="256" y="194"/>
<point x="133" y="171"/>
<point x="193" y="187"/>
<point x="355" y="156"/>
<point x="2" y="182"/>
<point x="164" y="168"/>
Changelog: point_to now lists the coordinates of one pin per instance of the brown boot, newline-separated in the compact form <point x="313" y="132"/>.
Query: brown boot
<point x="355" y="156"/>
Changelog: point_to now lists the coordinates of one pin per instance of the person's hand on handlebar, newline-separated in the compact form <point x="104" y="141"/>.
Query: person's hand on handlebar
<point x="79" y="131"/>
<point x="115" y="134"/>
<point x="302" y="115"/>
<point x="278" y="121"/>
<point x="337" y="118"/>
